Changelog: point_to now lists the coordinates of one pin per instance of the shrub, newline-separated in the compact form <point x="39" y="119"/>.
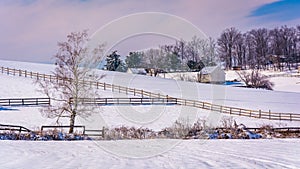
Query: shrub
<point x="255" y="80"/>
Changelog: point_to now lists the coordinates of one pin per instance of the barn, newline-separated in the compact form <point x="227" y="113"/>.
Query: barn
<point x="212" y="74"/>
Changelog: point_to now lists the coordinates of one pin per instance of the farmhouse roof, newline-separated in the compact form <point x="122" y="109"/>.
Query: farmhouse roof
<point x="138" y="70"/>
<point x="208" y="70"/>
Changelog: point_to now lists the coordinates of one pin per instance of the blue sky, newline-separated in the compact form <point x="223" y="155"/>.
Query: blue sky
<point x="30" y="29"/>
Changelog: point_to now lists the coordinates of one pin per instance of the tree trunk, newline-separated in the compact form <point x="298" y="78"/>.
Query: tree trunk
<point x="72" y="122"/>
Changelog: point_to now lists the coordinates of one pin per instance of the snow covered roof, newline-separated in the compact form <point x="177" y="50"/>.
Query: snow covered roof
<point x="137" y="71"/>
<point x="208" y="70"/>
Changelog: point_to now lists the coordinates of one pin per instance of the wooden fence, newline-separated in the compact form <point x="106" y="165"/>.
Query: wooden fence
<point x="25" y="102"/>
<point x="283" y="75"/>
<point x="82" y="129"/>
<point x="277" y="129"/>
<point x="14" y="128"/>
<point x="128" y="101"/>
<point x="185" y="102"/>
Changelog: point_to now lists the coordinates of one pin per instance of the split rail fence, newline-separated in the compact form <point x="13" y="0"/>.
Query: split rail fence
<point x="284" y="75"/>
<point x="14" y="128"/>
<point x="128" y="101"/>
<point x="80" y="129"/>
<point x="25" y="102"/>
<point x="185" y="102"/>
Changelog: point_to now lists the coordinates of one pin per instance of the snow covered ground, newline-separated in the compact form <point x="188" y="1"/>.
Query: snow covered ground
<point x="277" y="153"/>
<point x="274" y="153"/>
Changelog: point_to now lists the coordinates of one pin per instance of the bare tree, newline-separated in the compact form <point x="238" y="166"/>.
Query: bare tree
<point x="153" y="58"/>
<point x="227" y="44"/>
<point x="74" y="66"/>
<point x="210" y="53"/>
<point x="260" y="38"/>
<point x="250" y="51"/>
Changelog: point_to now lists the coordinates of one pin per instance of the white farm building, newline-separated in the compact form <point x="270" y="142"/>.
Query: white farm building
<point x="212" y="74"/>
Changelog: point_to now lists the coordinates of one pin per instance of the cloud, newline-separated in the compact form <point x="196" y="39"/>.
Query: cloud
<point x="284" y="10"/>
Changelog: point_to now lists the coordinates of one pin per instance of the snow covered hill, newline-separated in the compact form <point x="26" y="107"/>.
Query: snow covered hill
<point x="150" y="153"/>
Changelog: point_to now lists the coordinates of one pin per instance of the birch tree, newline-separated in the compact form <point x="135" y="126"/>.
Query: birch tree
<point x="74" y="67"/>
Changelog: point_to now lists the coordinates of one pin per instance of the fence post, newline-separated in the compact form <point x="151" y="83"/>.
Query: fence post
<point x="7" y="70"/>
<point x="97" y="85"/>
<point x="134" y="91"/>
<point x="112" y="87"/>
<point x="142" y="93"/>
<point x="20" y="74"/>
<point x="25" y="73"/>
<point x="269" y="114"/>
<point x="167" y="98"/>
<point x="103" y="132"/>
<point x="279" y="116"/>
<point x="104" y="86"/>
<point x="37" y="76"/>
<point x="259" y="116"/>
<point x="290" y="117"/>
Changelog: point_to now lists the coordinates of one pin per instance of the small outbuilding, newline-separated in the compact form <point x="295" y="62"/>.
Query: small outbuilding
<point x="212" y="74"/>
<point x="140" y="71"/>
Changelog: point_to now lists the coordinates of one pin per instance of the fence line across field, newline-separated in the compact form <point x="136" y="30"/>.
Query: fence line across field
<point x="127" y="101"/>
<point x="185" y="102"/>
<point x="25" y="102"/>
<point x="283" y="75"/>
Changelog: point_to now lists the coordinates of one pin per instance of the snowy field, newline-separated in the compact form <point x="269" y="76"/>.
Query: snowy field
<point x="271" y="153"/>
<point x="233" y="154"/>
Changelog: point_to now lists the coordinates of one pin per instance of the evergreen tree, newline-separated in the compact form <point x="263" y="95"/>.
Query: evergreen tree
<point x="113" y="61"/>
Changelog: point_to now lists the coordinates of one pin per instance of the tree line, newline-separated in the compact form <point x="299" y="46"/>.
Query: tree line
<point x="259" y="48"/>
<point x="181" y="56"/>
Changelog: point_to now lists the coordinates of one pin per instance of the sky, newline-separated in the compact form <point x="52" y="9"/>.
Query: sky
<point x="30" y="29"/>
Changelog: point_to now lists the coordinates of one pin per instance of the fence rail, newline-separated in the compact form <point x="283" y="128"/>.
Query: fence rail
<point x="128" y="101"/>
<point x="185" y="102"/>
<point x="25" y="102"/>
<point x="62" y="127"/>
<point x="283" y="75"/>
<point x="14" y="128"/>
<point x="277" y="129"/>
<point x="87" y="132"/>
